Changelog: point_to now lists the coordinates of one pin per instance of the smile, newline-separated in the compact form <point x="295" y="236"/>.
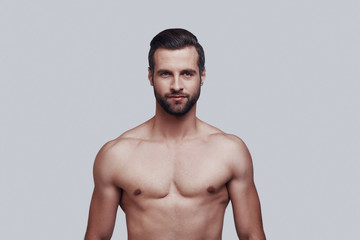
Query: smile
<point x="177" y="97"/>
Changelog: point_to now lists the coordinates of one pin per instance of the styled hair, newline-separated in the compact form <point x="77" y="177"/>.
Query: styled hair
<point x="175" y="38"/>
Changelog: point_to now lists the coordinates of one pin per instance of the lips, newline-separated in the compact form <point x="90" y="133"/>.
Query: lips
<point x="177" y="97"/>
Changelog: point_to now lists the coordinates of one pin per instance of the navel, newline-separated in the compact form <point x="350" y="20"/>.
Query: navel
<point x="137" y="192"/>
<point x="211" y="189"/>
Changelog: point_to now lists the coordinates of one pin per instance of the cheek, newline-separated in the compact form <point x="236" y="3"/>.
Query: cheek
<point x="160" y="86"/>
<point x="193" y="86"/>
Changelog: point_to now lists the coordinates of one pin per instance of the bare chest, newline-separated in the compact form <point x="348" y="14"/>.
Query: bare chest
<point x="156" y="170"/>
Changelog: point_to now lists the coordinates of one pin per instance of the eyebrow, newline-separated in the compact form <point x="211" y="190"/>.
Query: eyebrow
<point x="162" y="70"/>
<point x="190" y="70"/>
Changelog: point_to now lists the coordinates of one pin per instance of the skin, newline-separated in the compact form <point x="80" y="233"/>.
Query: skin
<point x="174" y="176"/>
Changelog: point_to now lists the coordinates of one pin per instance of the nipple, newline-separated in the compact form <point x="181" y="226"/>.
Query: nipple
<point x="211" y="189"/>
<point x="137" y="192"/>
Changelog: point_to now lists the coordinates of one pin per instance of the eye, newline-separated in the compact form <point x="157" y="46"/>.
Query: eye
<point x="188" y="74"/>
<point x="164" y="74"/>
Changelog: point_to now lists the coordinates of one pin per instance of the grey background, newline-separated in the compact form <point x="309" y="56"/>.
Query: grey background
<point x="282" y="75"/>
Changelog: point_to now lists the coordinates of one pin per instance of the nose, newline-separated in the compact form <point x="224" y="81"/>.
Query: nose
<point x="177" y="84"/>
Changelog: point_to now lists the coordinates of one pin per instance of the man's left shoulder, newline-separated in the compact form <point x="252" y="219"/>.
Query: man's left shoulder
<point x="228" y="140"/>
<point x="225" y="141"/>
<point x="232" y="148"/>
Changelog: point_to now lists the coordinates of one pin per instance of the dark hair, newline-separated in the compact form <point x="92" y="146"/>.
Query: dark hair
<point x="176" y="38"/>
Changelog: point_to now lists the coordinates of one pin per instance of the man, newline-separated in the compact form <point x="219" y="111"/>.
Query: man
<point x="174" y="175"/>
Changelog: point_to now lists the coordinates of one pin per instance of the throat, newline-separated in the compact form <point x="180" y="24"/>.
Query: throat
<point x="174" y="128"/>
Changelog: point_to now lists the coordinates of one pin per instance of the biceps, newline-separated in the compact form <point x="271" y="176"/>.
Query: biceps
<point x="246" y="205"/>
<point x="244" y="196"/>
<point x="103" y="209"/>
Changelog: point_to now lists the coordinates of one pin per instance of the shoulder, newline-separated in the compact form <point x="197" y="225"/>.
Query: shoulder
<point x="230" y="142"/>
<point x="117" y="150"/>
<point x="114" y="156"/>
<point x="234" y="151"/>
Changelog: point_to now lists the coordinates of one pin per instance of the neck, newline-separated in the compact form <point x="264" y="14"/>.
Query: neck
<point x="170" y="127"/>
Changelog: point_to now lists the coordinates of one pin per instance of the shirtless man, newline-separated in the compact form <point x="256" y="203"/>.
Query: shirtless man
<point x="174" y="175"/>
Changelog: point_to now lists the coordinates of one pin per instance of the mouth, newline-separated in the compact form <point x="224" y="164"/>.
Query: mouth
<point x="177" y="97"/>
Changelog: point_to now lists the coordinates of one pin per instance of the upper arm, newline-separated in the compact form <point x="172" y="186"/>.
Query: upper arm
<point x="243" y="195"/>
<point x="105" y="198"/>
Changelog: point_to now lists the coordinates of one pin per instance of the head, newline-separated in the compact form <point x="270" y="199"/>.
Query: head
<point x="176" y="38"/>
<point x="176" y="70"/>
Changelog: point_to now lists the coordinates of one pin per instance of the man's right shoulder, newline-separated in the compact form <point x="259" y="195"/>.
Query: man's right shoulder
<point x="117" y="152"/>
<point x="118" y="148"/>
<point x="113" y="157"/>
<point x="123" y="145"/>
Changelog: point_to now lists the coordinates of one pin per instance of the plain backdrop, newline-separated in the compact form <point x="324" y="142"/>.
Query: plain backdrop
<point x="282" y="75"/>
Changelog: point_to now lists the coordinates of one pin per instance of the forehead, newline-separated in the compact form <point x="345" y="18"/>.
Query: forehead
<point x="176" y="58"/>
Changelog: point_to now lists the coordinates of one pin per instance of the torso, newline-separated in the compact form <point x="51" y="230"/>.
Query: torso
<point x="174" y="190"/>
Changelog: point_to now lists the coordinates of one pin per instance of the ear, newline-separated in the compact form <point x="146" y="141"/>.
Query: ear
<point x="150" y="77"/>
<point x="203" y="76"/>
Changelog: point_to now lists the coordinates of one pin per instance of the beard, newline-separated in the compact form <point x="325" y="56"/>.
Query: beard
<point x="178" y="108"/>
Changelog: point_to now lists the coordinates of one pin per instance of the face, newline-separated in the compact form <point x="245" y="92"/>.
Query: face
<point x="176" y="79"/>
